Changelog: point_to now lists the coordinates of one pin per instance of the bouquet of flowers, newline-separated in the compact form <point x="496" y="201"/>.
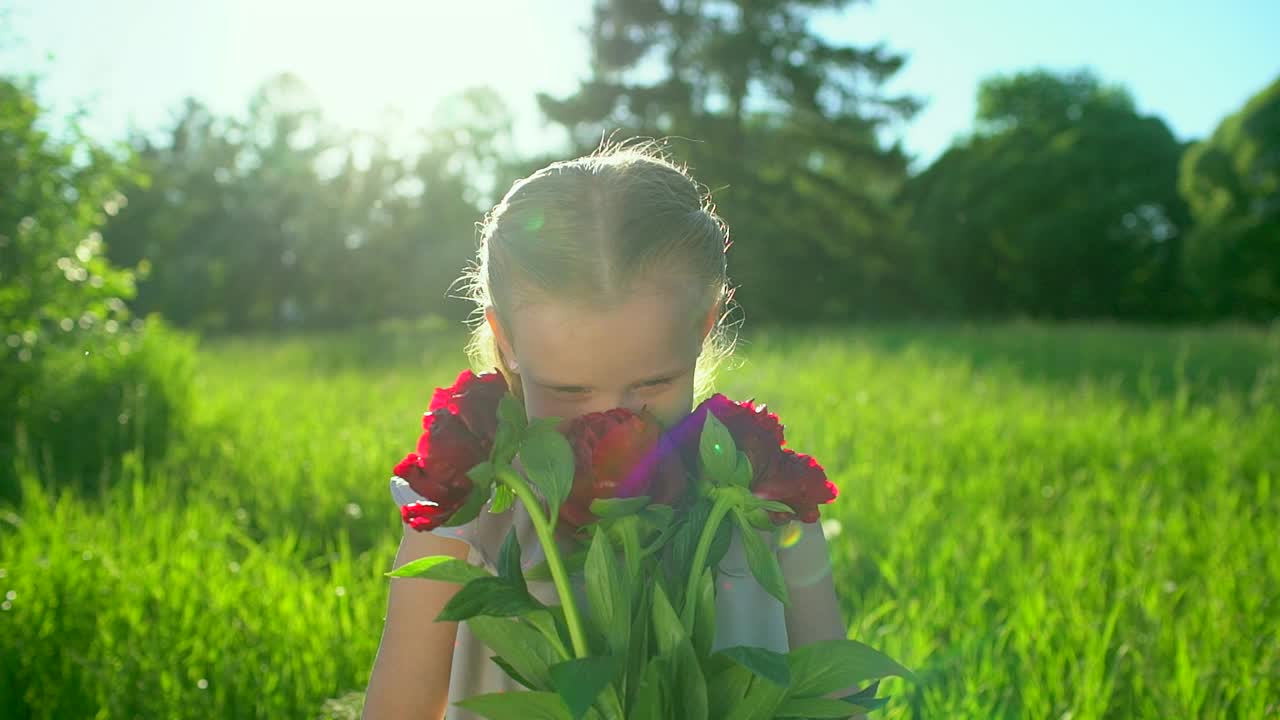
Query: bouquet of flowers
<point x="649" y="509"/>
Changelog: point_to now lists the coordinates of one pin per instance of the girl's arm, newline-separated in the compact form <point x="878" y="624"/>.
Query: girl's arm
<point x="410" y="677"/>
<point x="814" y="614"/>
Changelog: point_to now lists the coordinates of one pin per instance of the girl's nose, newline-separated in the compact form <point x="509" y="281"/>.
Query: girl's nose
<point x="609" y="401"/>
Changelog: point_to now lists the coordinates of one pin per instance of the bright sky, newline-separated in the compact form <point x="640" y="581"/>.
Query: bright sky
<point x="132" y="61"/>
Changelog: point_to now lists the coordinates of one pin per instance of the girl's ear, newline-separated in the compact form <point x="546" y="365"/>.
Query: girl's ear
<point x="500" y="334"/>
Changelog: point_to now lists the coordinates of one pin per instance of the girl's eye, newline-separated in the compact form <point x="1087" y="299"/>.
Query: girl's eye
<point x="576" y="394"/>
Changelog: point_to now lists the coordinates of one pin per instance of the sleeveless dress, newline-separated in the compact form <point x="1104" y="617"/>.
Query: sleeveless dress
<point x="745" y="613"/>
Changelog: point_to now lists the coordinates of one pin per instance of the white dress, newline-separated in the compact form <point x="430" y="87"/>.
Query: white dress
<point x="745" y="613"/>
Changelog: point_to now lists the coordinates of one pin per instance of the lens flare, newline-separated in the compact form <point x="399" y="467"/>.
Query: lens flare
<point x="790" y="534"/>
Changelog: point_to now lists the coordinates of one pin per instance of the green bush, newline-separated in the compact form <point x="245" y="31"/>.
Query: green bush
<point x="90" y="403"/>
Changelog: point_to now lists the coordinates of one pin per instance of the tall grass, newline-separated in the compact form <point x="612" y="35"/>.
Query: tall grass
<point x="1042" y="522"/>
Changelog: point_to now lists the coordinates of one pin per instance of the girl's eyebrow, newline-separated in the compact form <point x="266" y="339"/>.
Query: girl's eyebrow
<point x="563" y="387"/>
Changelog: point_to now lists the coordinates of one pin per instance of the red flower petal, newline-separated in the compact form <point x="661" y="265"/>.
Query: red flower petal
<point x="619" y="453"/>
<point x="438" y="470"/>
<point x="473" y="398"/>
<point x="799" y="481"/>
<point x="423" y="516"/>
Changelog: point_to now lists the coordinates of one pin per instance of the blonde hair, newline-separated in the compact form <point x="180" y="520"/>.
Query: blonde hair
<point x="587" y="229"/>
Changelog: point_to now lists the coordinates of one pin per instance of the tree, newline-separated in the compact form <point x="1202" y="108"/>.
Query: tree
<point x="1063" y="203"/>
<point x="785" y="124"/>
<point x="277" y="220"/>
<point x="1232" y="183"/>
<point x="57" y="289"/>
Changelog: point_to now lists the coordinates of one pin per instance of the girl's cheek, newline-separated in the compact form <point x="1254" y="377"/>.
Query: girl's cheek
<point x="672" y="406"/>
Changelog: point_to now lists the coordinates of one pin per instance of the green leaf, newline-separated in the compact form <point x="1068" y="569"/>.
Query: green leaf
<point x="550" y="622"/>
<point x="739" y="694"/>
<point x="720" y="543"/>
<point x="684" y="544"/>
<point x="652" y="699"/>
<point x="760" y="702"/>
<point x="517" y="706"/>
<point x="519" y="644"/>
<point x="513" y="673"/>
<point x="866" y="697"/>
<point x="541" y="424"/>
<point x="668" y="630"/>
<point x="657" y="542"/>
<point x="759" y="519"/>
<point x="638" y="651"/>
<point x="511" y="412"/>
<point x="512" y="421"/>
<point x="768" y="664"/>
<point x="687" y="685"/>
<point x="658" y="517"/>
<point x="830" y="665"/>
<point x="753" y="686"/>
<point x="488" y="596"/>
<point x="617" y="507"/>
<point x="548" y="460"/>
<point x="762" y="560"/>
<point x="482" y="474"/>
<point x="742" y="473"/>
<point x="441" y="567"/>
<point x="579" y="681"/>
<point x="503" y="498"/>
<point x="608" y="593"/>
<point x="470" y="509"/>
<point x="573" y="562"/>
<point x="690" y="684"/>
<point x="728" y="687"/>
<point x="773" y="505"/>
<point x="717" y="451"/>
<point x="748" y="691"/>
<point x="509" y="560"/>
<point x="808" y="708"/>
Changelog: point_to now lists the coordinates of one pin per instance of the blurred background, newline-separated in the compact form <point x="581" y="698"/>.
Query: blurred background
<point x="1028" y="253"/>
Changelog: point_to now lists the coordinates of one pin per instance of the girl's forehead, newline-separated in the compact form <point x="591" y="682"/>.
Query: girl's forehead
<point x="566" y="343"/>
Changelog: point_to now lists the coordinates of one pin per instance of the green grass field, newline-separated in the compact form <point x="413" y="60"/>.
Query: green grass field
<point x="1072" y="522"/>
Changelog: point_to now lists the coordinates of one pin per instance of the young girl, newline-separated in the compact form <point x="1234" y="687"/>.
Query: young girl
<point x="602" y="282"/>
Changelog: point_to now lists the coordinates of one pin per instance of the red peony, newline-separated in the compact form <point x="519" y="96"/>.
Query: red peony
<point x="458" y="433"/>
<point x="440" y="478"/>
<point x="777" y="473"/>
<point x="755" y="430"/>
<point x="618" y="454"/>
<point x="473" y="398"/>
<point x="797" y="480"/>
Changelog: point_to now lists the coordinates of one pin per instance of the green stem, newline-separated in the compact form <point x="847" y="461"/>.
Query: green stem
<point x="558" y="575"/>
<point x="723" y="503"/>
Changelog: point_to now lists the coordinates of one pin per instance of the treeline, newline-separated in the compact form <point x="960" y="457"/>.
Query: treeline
<point x="1064" y="201"/>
